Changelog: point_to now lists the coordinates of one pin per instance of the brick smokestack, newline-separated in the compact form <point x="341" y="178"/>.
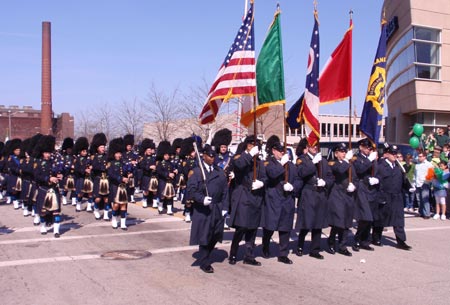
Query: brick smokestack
<point x="46" y="90"/>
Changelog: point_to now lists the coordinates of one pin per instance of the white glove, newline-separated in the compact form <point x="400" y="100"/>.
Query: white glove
<point x="349" y="155"/>
<point x="207" y="201"/>
<point x="316" y="159"/>
<point x="373" y="180"/>
<point x="320" y="182"/>
<point x="412" y="189"/>
<point x="254" y="151"/>
<point x="224" y="213"/>
<point x="351" y="188"/>
<point x="287" y="187"/>
<point x="257" y="184"/>
<point x="284" y="159"/>
<point x="372" y="156"/>
<point x="231" y="175"/>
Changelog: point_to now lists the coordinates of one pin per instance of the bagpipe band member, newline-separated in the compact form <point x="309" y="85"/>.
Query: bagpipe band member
<point x="84" y="185"/>
<point x="99" y="171"/>
<point x="147" y="164"/>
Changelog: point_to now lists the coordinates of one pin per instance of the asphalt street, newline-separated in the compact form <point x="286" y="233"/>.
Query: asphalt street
<point x="152" y="263"/>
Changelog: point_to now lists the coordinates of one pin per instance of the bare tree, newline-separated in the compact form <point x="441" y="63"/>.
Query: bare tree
<point x="103" y="116"/>
<point x="164" y="110"/>
<point x="130" y="117"/>
<point x="85" y="126"/>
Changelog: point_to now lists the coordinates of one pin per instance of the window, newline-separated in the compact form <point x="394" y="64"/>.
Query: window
<point x="416" y="55"/>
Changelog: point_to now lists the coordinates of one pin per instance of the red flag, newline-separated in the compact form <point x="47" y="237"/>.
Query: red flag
<point x="336" y="78"/>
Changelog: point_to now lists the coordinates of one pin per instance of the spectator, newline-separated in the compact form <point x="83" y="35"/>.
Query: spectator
<point x="440" y="185"/>
<point x="422" y="185"/>
<point x="441" y="137"/>
<point x="445" y="153"/>
<point x="409" y="167"/>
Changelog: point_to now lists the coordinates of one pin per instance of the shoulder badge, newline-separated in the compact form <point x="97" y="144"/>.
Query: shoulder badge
<point x="266" y="163"/>
<point x="236" y="157"/>
<point x="191" y="172"/>
<point x="299" y="161"/>
<point x="331" y="163"/>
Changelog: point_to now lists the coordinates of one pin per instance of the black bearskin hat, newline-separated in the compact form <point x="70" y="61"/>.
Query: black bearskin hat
<point x="81" y="144"/>
<point x="44" y="144"/>
<point x="115" y="145"/>
<point x="187" y="147"/>
<point x="175" y="144"/>
<point x="146" y="143"/>
<point x="128" y="139"/>
<point x="241" y="148"/>
<point x="13" y="145"/>
<point x="221" y="137"/>
<point x="199" y="141"/>
<point x="99" y="139"/>
<point x="67" y="143"/>
<point x="273" y="142"/>
<point x="33" y="143"/>
<point x="163" y="148"/>
<point x="24" y="147"/>
<point x="301" y="146"/>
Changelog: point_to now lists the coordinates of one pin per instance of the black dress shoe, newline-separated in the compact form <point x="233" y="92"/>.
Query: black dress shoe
<point x="207" y="269"/>
<point x="265" y="253"/>
<point x="403" y="246"/>
<point x="316" y="255"/>
<point x="331" y="249"/>
<point x="356" y="247"/>
<point x="232" y="260"/>
<point x="298" y="251"/>
<point x="284" y="260"/>
<point x="377" y="243"/>
<point x="367" y="247"/>
<point x="56" y="235"/>
<point x="252" y="262"/>
<point x="345" y="252"/>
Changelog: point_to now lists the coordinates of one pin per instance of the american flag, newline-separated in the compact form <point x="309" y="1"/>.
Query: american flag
<point x="311" y="100"/>
<point x="237" y="75"/>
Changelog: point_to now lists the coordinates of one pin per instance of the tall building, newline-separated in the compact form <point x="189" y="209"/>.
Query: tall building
<point x="418" y="66"/>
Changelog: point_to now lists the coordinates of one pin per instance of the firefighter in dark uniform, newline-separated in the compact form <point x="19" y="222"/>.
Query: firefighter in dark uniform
<point x="366" y="194"/>
<point x="221" y="140"/>
<point x="166" y="178"/>
<point x="13" y="179"/>
<point x="317" y="179"/>
<point x="47" y="179"/>
<point x="342" y="199"/>
<point x="392" y="185"/>
<point x="247" y="199"/>
<point x="2" y="170"/>
<point x="131" y="159"/>
<point x="82" y="173"/>
<point x="207" y="188"/>
<point x="99" y="173"/>
<point x="189" y="157"/>
<point x="118" y="177"/>
<point x="147" y="164"/>
<point x="279" y="203"/>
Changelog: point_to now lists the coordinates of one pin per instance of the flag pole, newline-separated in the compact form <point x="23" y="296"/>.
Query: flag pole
<point x="255" y="139"/>
<point x="350" y="110"/>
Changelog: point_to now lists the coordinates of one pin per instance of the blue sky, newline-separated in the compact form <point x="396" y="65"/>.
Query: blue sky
<point x="110" y="51"/>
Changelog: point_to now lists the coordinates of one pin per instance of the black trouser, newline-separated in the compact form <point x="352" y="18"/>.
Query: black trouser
<point x="205" y="253"/>
<point x="250" y="236"/>
<point x="315" y="239"/>
<point x="342" y="237"/>
<point x="400" y="234"/>
<point x="363" y="232"/>
<point x="283" y="244"/>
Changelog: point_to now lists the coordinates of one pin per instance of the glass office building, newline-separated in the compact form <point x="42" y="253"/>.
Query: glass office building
<point x="418" y="66"/>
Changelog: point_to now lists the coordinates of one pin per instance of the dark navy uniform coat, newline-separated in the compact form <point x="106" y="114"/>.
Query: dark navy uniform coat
<point x="312" y="211"/>
<point x="391" y="188"/>
<point x="246" y="205"/>
<point x="207" y="221"/>
<point x="366" y="195"/>
<point x="279" y="206"/>
<point x="341" y="204"/>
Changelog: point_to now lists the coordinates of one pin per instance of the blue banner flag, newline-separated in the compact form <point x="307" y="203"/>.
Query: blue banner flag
<point x="294" y="115"/>
<point x="372" y="113"/>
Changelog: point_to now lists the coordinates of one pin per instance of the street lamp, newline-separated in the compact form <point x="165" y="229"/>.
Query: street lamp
<point x="10" y="114"/>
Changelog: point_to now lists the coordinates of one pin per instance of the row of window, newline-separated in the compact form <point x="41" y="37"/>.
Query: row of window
<point x="416" y="55"/>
